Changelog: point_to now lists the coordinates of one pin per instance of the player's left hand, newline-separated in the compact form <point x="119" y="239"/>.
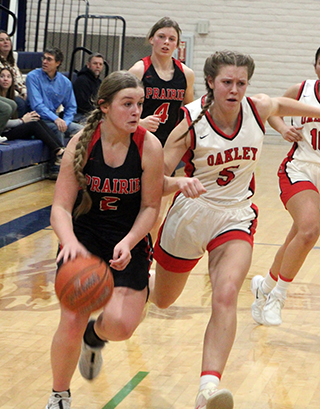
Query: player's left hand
<point x="121" y="256"/>
<point x="191" y="187"/>
<point x="292" y="134"/>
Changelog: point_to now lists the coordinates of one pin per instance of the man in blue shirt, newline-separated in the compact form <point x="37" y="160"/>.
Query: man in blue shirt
<point x="48" y="89"/>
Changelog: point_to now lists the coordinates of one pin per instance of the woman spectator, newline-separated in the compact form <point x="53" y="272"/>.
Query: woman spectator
<point x="7" y="60"/>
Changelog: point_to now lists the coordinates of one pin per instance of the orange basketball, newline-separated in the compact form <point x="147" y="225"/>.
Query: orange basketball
<point x="84" y="284"/>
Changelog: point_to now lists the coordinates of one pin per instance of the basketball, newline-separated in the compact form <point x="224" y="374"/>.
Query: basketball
<point x="84" y="284"/>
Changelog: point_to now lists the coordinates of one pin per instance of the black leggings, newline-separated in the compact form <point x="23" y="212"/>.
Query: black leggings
<point x="37" y="129"/>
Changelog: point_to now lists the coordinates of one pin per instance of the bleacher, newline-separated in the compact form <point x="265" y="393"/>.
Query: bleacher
<point x="23" y="161"/>
<point x="26" y="161"/>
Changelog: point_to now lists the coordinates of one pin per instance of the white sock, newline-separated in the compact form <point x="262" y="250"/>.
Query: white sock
<point x="205" y="379"/>
<point x="282" y="286"/>
<point x="268" y="283"/>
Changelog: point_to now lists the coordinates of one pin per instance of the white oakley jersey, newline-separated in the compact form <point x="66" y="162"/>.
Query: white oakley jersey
<point x="223" y="163"/>
<point x="308" y="150"/>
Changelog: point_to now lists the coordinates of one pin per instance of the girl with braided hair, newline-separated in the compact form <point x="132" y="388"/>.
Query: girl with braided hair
<point x="221" y="139"/>
<point x="106" y="200"/>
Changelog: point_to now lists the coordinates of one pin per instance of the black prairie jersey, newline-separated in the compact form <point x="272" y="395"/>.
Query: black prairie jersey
<point x="115" y="192"/>
<point x="162" y="97"/>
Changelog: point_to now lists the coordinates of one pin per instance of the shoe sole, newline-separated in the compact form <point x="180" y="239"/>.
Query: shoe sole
<point x="222" y="399"/>
<point x="90" y="370"/>
<point x="90" y="374"/>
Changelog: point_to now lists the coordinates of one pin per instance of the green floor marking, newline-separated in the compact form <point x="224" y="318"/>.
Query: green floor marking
<point x="114" y="402"/>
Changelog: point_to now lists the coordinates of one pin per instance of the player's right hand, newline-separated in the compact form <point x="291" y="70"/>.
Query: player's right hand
<point x="151" y="123"/>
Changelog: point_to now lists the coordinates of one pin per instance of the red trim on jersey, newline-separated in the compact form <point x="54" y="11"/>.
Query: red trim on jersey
<point x="191" y="130"/>
<point x="178" y="63"/>
<point x="218" y="130"/>
<point x="146" y="62"/>
<point x="95" y="137"/>
<point x="138" y="138"/>
<point x="256" y="114"/>
<point x="252" y="185"/>
<point x="301" y="89"/>
<point x="189" y="166"/>
<point x="316" y="90"/>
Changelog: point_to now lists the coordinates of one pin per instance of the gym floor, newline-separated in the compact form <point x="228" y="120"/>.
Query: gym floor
<point x="159" y="367"/>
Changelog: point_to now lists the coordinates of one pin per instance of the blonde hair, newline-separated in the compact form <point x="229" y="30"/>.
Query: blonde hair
<point x="109" y="87"/>
<point x="211" y="69"/>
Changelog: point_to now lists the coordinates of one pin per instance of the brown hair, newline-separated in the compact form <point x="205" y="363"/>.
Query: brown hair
<point x="10" y="92"/>
<point x="109" y="87"/>
<point x="57" y="54"/>
<point x="10" y="58"/>
<point x="165" y="22"/>
<point x="212" y="68"/>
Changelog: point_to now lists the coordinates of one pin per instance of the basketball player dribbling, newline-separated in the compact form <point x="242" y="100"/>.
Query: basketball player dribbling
<point x="106" y="200"/>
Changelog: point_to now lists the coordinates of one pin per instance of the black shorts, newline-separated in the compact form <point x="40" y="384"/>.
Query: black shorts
<point x="136" y="274"/>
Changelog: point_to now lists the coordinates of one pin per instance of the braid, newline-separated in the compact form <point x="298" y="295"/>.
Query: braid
<point x="79" y="157"/>
<point x="205" y="108"/>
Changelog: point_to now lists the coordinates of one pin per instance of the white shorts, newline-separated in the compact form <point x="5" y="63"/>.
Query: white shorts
<point x="296" y="176"/>
<point x="192" y="226"/>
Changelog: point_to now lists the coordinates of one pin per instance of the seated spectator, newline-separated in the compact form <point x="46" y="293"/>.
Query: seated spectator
<point x="86" y="86"/>
<point x="29" y="125"/>
<point x="7" y="109"/>
<point x="47" y="90"/>
<point x="7" y="60"/>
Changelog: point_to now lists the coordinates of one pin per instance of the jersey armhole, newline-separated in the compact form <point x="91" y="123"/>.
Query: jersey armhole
<point x="300" y="90"/>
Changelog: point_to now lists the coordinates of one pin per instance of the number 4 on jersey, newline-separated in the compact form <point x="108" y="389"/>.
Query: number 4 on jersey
<point x="162" y="112"/>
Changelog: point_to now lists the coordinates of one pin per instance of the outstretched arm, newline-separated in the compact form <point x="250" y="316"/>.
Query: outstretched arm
<point x="283" y="106"/>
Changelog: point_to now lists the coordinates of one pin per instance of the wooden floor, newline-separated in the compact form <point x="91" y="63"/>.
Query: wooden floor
<point x="158" y="368"/>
